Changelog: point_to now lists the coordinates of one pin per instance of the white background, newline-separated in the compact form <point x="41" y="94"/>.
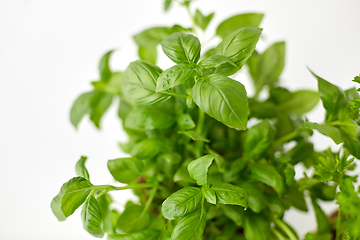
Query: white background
<point x="49" y="51"/>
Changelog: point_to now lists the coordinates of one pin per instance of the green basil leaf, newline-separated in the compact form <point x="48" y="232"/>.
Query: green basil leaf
<point x="185" y="121"/>
<point x="80" y="168"/>
<point x="266" y="68"/>
<point x="194" y="135"/>
<point x="210" y="196"/>
<point x="174" y="76"/>
<point x="148" y="148"/>
<point x="215" y="61"/>
<point x="104" y="69"/>
<point x="201" y="20"/>
<point x="182" y="48"/>
<point x="149" y="119"/>
<point x="238" y="47"/>
<point x="259" y="138"/>
<point x="80" y="108"/>
<point x="235" y="213"/>
<point x="152" y="36"/>
<point x="353" y="146"/>
<point x="238" y="21"/>
<point x="256" y="227"/>
<point x="227" y="193"/>
<point x="148" y="54"/>
<point x="104" y="201"/>
<point x="113" y="86"/>
<point x="198" y="168"/>
<point x="91" y="217"/>
<point x="322" y="219"/>
<point x="167" y="5"/>
<point x="148" y="234"/>
<point x="181" y="203"/>
<point x="100" y="104"/>
<point x="223" y="99"/>
<point x="190" y="227"/>
<point x="182" y="175"/>
<point x="332" y="97"/>
<point x="140" y="79"/>
<point x="125" y="170"/>
<point x="268" y="174"/>
<point x="330" y="131"/>
<point x="300" y="102"/>
<point x="257" y="200"/>
<point x="71" y="196"/>
<point x="348" y="126"/>
<point x="133" y="219"/>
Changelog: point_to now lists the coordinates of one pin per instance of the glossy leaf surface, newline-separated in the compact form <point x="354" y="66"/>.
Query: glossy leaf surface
<point x="174" y="76"/>
<point x="190" y="227"/>
<point x="268" y="174"/>
<point x="227" y="193"/>
<point x="198" y="168"/>
<point x="91" y="217"/>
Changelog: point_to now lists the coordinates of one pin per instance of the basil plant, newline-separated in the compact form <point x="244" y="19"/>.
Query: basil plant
<point x="199" y="169"/>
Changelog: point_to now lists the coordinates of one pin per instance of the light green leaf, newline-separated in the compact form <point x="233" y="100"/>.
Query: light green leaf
<point x="113" y="86"/>
<point x="227" y="193"/>
<point x="81" y="107"/>
<point x="238" y="47"/>
<point x="185" y="121"/>
<point x="104" y="201"/>
<point x="182" y="175"/>
<point x="327" y="130"/>
<point x="174" y="76"/>
<point x="198" y="168"/>
<point x="149" y="119"/>
<point x="190" y="227"/>
<point x="268" y="174"/>
<point x="259" y="138"/>
<point x="235" y="213"/>
<point x="223" y="99"/>
<point x="133" y="219"/>
<point x="91" y="217"/>
<point x="139" y="81"/>
<point x="147" y="234"/>
<point x="215" y="61"/>
<point x="194" y="135"/>
<point x="181" y="203"/>
<point x="238" y="21"/>
<point x="182" y="48"/>
<point x="321" y="218"/>
<point x="348" y="126"/>
<point x="148" y="54"/>
<point x="300" y="102"/>
<point x="266" y="68"/>
<point x="100" y="104"/>
<point x="148" y="148"/>
<point x="167" y="5"/>
<point x="125" y="170"/>
<point x="152" y="36"/>
<point x="256" y="227"/>
<point x="104" y="68"/>
<point x="201" y="20"/>
<point x="80" y="168"/>
<point x="71" y="196"/>
<point x="210" y="196"/>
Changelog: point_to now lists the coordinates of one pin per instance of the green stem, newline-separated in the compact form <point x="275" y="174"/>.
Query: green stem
<point x="192" y="21"/>
<point x="149" y="201"/>
<point x="278" y="234"/>
<point x="200" y="122"/>
<point x="285" y="228"/>
<point x="287" y="137"/>
<point x="175" y="94"/>
<point x="134" y="186"/>
<point x="338" y="219"/>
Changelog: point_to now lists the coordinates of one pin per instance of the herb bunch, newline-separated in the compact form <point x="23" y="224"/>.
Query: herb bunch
<point x="199" y="170"/>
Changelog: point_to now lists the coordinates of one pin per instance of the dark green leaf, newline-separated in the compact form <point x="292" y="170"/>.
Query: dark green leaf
<point x="181" y="203"/>
<point x="104" y="69"/>
<point x="201" y="20"/>
<point x="148" y="54"/>
<point x="99" y="106"/>
<point x="71" y="196"/>
<point x="174" y="76"/>
<point x="227" y="193"/>
<point x="300" y="102"/>
<point x="223" y="99"/>
<point x="190" y="227"/>
<point x="259" y="138"/>
<point x="289" y="174"/>
<point x="268" y="174"/>
<point x="149" y="119"/>
<point x="257" y="200"/>
<point x="140" y="80"/>
<point x="147" y="234"/>
<point x="321" y="219"/>
<point x="235" y="213"/>
<point x="148" y="148"/>
<point x="198" y="168"/>
<point x="125" y="170"/>
<point x="81" y="107"/>
<point x="256" y="227"/>
<point x="80" y="168"/>
<point x="266" y="68"/>
<point x="238" y="47"/>
<point x="182" y="48"/>
<point x="194" y="135"/>
<point x="133" y="219"/>
<point x="330" y="131"/>
<point x="91" y="217"/>
<point x="238" y="21"/>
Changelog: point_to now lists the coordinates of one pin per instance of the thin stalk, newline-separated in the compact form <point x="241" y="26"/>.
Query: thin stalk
<point x="175" y="94"/>
<point x="278" y="234"/>
<point x="200" y="122"/>
<point x="287" y="137"/>
<point x="285" y="228"/>
<point x="192" y="21"/>
<point x="338" y="219"/>
<point x="149" y="201"/>
<point x="134" y="186"/>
